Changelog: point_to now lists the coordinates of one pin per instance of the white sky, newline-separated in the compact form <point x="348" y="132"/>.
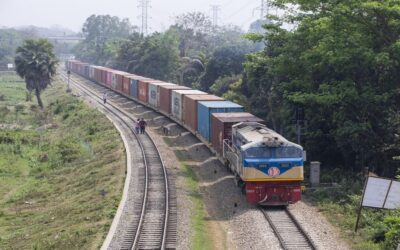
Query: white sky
<point x="72" y="13"/>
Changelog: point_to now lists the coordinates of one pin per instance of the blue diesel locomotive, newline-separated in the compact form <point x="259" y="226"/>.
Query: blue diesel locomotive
<point x="268" y="167"/>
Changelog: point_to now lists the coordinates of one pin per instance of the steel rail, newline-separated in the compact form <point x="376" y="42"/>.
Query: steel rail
<point x="145" y="198"/>
<point x="293" y="230"/>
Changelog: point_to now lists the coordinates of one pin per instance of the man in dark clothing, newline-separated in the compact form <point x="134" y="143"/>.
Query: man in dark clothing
<point x="105" y="97"/>
<point x="142" y="125"/>
<point x="137" y="126"/>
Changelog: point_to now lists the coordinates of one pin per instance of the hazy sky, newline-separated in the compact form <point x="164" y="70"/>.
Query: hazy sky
<point x="73" y="13"/>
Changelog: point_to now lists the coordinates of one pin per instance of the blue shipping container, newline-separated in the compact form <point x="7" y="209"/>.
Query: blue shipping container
<point x="134" y="88"/>
<point x="206" y="108"/>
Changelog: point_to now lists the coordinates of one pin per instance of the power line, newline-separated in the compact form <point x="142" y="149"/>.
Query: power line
<point x="240" y="10"/>
<point x="143" y="6"/>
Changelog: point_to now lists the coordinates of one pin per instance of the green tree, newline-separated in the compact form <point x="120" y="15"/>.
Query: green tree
<point x="189" y="71"/>
<point x="10" y="39"/>
<point x="224" y="61"/>
<point x="155" y="56"/>
<point x="341" y="65"/>
<point x="222" y="84"/>
<point x="102" y="34"/>
<point x="36" y="63"/>
<point x="192" y="28"/>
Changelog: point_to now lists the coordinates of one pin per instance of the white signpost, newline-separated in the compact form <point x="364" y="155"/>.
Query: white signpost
<point x="380" y="193"/>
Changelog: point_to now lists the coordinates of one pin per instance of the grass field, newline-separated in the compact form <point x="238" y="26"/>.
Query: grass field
<point x="61" y="170"/>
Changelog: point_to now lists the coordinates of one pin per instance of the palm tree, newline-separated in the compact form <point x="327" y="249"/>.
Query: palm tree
<point x="36" y="63"/>
<point x="189" y="64"/>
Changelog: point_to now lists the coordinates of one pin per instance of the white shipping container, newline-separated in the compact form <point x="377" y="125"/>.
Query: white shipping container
<point x="154" y="93"/>
<point x="177" y="100"/>
<point x="114" y="81"/>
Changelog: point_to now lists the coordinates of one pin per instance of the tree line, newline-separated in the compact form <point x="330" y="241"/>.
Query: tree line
<point x="335" y="72"/>
<point x="190" y="52"/>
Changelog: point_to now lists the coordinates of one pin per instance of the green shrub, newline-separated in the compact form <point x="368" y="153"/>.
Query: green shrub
<point x="392" y="236"/>
<point x="68" y="150"/>
<point x="58" y="109"/>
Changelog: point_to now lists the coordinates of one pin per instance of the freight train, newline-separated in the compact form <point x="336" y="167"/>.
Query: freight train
<point x="268" y="167"/>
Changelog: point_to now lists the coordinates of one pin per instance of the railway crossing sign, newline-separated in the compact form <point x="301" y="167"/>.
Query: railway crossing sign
<point x="380" y="193"/>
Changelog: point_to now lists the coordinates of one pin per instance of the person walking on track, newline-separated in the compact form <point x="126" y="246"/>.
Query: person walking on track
<point x="105" y="97"/>
<point x="142" y="125"/>
<point x="137" y="126"/>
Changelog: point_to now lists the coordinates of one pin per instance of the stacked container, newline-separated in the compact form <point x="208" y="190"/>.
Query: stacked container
<point x="91" y="72"/>
<point x="189" y="108"/>
<point x="108" y="77"/>
<point x="104" y="71"/>
<point x="222" y="126"/>
<point x="143" y="89"/>
<point x="134" y="85"/>
<point x="177" y="100"/>
<point x="206" y="108"/>
<point x="126" y="84"/>
<point x="98" y="74"/>
<point x="165" y="96"/>
<point x="154" y="93"/>
<point x="117" y="79"/>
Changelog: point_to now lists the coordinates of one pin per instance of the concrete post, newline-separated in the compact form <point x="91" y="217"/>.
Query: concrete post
<point x="315" y="170"/>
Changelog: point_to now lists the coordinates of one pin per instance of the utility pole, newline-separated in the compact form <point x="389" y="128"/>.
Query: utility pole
<point x="143" y="6"/>
<point x="263" y="8"/>
<point x="215" y="9"/>
<point x="301" y="123"/>
<point x="69" y="75"/>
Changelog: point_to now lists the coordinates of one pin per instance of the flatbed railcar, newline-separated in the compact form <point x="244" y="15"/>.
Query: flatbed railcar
<point x="267" y="167"/>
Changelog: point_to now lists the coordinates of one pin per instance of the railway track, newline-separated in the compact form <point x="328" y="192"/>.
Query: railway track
<point x="152" y="223"/>
<point x="288" y="230"/>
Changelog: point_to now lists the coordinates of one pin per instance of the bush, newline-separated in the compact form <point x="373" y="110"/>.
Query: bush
<point x="68" y="151"/>
<point x="392" y="236"/>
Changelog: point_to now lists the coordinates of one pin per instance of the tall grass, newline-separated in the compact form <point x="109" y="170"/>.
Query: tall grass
<point x="61" y="171"/>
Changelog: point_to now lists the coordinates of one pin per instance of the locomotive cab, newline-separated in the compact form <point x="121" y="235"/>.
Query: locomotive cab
<point x="269" y="166"/>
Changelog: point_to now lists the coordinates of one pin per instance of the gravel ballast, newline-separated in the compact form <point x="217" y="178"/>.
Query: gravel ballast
<point x="243" y="226"/>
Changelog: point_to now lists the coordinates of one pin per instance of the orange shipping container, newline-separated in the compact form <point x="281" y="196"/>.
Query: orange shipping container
<point x="165" y="96"/>
<point x="143" y="89"/>
<point x="126" y="84"/>
<point x="189" y="116"/>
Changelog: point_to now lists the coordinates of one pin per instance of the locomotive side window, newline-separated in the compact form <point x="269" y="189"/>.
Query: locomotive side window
<point x="259" y="152"/>
<point x="288" y="152"/>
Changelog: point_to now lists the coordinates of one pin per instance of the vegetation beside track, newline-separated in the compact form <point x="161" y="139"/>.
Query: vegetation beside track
<point x="378" y="229"/>
<point x="61" y="170"/>
<point x="200" y="237"/>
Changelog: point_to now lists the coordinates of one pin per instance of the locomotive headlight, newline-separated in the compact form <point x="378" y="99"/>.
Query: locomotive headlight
<point x="285" y="165"/>
<point x="263" y="165"/>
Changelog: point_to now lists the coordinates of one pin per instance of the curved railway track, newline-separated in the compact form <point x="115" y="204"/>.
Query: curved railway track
<point x="288" y="230"/>
<point x="153" y="222"/>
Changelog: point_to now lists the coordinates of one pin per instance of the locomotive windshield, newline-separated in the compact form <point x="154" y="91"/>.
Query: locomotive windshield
<point x="281" y="152"/>
<point x="288" y="152"/>
<point x="259" y="152"/>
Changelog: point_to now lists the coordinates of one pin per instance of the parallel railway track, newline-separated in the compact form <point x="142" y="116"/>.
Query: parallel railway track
<point x="289" y="232"/>
<point x="153" y="224"/>
<point x="146" y="231"/>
